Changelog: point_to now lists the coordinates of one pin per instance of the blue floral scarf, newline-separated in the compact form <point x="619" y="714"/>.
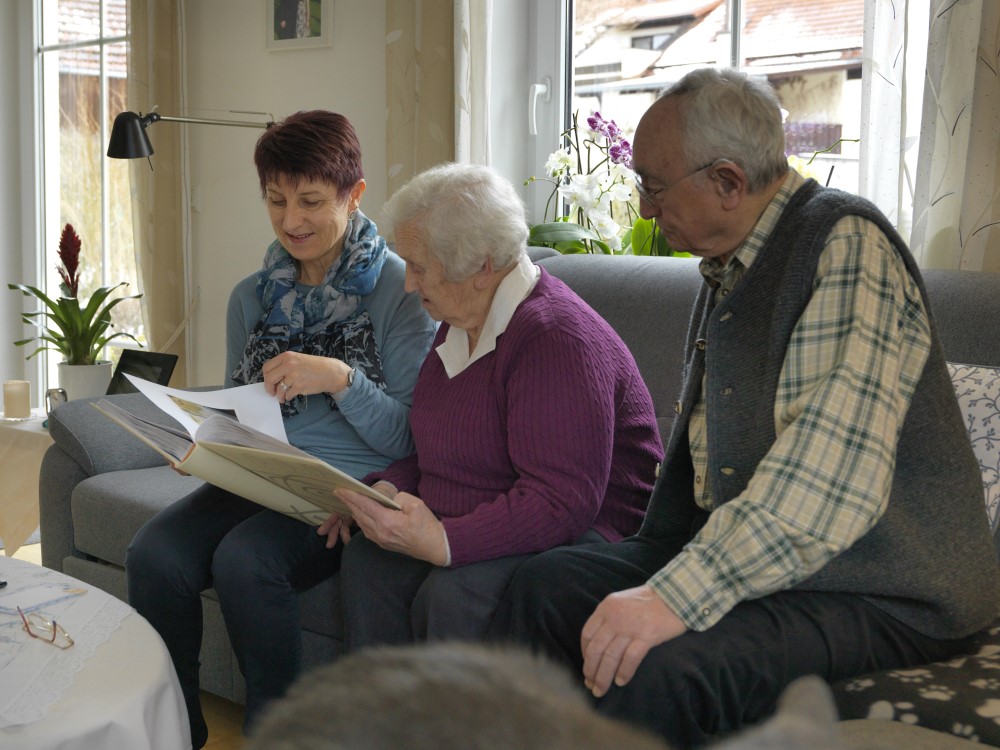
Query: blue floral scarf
<point x="328" y="320"/>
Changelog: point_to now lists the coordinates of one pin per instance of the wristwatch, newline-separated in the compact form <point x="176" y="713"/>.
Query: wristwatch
<point x="350" y="376"/>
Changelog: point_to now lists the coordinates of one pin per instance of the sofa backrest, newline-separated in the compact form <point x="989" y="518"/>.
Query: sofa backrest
<point x="965" y="306"/>
<point x="648" y="302"/>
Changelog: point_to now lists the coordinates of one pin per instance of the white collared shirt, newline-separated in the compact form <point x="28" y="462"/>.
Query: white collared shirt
<point x="516" y="285"/>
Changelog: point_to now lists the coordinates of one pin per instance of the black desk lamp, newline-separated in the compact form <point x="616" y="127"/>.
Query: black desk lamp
<point x="130" y="141"/>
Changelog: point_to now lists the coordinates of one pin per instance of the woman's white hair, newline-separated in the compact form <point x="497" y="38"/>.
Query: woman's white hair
<point x="466" y="213"/>
<point x="728" y="114"/>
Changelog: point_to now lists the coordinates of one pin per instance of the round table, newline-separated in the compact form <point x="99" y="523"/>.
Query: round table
<point x="125" y="695"/>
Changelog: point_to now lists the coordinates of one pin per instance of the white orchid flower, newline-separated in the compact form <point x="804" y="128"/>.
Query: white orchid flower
<point x="559" y="162"/>
<point x="619" y="191"/>
<point x="583" y="191"/>
<point x="621" y="173"/>
<point x="602" y="223"/>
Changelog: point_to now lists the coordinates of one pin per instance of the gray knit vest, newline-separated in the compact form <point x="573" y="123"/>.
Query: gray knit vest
<point x="929" y="560"/>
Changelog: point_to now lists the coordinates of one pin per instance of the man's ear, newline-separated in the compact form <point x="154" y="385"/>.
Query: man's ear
<point x="730" y="183"/>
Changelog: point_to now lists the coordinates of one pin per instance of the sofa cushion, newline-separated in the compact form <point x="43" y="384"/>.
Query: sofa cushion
<point x="960" y="696"/>
<point x="978" y="391"/>
<point x="108" y="509"/>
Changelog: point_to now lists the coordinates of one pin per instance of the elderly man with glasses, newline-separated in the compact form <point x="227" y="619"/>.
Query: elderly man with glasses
<point x="818" y="471"/>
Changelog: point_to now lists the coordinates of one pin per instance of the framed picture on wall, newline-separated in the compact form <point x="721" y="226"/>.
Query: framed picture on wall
<point x="298" y="24"/>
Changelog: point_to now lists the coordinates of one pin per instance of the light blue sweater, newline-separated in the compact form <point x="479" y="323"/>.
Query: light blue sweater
<point x="370" y="428"/>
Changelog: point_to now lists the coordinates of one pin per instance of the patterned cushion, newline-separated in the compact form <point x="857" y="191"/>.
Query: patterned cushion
<point x="978" y="391"/>
<point x="960" y="696"/>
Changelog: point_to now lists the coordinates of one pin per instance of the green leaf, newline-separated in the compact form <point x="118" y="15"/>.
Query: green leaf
<point x="647" y="239"/>
<point x="78" y="333"/>
<point x="559" y="231"/>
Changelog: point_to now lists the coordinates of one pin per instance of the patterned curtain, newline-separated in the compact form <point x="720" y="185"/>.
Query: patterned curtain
<point x="159" y="215"/>
<point x="420" y="91"/>
<point x="473" y="44"/>
<point x="957" y="204"/>
<point x="936" y="63"/>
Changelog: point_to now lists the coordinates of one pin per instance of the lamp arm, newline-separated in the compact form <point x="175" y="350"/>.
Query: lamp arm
<point x="152" y="117"/>
<point x="238" y="123"/>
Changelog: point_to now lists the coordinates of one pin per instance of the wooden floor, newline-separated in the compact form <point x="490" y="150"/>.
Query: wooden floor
<point x="225" y="722"/>
<point x="225" y="719"/>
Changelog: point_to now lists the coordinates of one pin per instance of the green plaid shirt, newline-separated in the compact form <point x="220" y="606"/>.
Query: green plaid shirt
<point x="851" y="367"/>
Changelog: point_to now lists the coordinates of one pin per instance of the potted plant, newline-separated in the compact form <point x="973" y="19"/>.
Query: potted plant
<point x="594" y="177"/>
<point x="77" y="331"/>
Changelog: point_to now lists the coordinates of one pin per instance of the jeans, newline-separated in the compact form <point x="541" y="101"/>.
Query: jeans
<point x="256" y="559"/>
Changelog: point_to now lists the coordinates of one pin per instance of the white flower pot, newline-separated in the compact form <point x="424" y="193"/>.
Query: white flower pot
<point x="81" y="381"/>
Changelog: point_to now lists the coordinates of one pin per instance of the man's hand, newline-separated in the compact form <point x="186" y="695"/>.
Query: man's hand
<point x="620" y="633"/>
<point x="413" y="531"/>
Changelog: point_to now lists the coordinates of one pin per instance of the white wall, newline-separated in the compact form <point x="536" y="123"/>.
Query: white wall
<point x="228" y="67"/>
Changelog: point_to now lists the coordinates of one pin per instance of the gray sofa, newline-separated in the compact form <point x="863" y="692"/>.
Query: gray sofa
<point x="99" y="485"/>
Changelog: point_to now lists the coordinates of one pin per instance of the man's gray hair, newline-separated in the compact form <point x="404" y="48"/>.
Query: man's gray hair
<point x="728" y="115"/>
<point x="466" y="213"/>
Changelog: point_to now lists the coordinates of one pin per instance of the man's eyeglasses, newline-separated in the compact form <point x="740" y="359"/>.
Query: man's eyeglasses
<point x="650" y="195"/>
<point x="45" y="630"/>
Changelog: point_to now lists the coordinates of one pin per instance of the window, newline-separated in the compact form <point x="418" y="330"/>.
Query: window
<point x="653" y="41"/>
<point x="810" y="51"/>
<point x="82" y="86"/>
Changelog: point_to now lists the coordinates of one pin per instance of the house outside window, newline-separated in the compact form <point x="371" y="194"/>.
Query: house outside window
<point x="809" y="50"/>
<point x="81" y="63"/>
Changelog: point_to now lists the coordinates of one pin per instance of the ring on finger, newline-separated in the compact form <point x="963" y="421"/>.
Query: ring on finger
<point x="284" y="386"/>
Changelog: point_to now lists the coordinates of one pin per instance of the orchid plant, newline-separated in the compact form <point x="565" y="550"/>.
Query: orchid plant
<point x="79" y="332"/>
<point x="593" y="175"/>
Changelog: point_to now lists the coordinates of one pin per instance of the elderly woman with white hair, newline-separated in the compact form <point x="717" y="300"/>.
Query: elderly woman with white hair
<point x="533" y="427"/>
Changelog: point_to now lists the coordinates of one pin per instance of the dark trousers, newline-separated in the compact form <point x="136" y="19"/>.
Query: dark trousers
<point x="390" y="599"/>
<point x="256" y="559"/>
<point x="704" y="684"/>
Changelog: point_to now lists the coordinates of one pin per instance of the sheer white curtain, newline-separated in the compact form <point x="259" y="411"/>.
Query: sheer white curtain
<point x="420" y="90"/>
<point x="159" y="205"/>
<point x="891" y="83"/>
<point x="929" y="135"/>
<point x="473" y="42"/>
<point x="957" y="202"/>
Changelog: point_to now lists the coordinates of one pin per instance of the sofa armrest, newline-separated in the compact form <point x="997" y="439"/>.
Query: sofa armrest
<point x="86" y="444"/>
<point x="99" y="445"/>
<point x="58" y="477"/>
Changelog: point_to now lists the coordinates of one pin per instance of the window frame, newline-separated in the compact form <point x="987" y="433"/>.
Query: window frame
<point x="45" y="175"/>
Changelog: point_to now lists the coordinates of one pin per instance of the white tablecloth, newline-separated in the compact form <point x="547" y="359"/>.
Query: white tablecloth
<point x="22" y="445"/>
<point x="116" y="688"/>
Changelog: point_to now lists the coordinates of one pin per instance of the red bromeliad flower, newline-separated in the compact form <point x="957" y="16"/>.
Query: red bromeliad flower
<point x="69" y="254"/>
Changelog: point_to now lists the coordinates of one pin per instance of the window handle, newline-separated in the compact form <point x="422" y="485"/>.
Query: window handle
<point x="537" y="91"/>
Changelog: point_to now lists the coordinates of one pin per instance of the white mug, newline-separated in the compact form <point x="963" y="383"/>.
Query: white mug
<point x="16" y="399"/>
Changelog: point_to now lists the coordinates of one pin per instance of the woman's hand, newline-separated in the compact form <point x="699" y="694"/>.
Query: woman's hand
<point x="292" y="374"/>
<point x="340" y="526"/>
<point x="336" y="526"/>
<point x="412" y="531"/>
